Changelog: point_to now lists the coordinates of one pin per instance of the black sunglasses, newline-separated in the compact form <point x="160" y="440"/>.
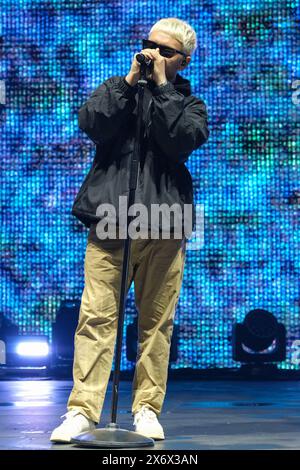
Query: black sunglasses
<point x="163" y="50"/>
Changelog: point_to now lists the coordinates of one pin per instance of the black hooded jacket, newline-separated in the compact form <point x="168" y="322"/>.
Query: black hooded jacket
<point x="174" y="125"/>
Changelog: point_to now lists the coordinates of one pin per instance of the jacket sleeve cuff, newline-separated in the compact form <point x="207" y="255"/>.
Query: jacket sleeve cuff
<point x="127" y="89"/>
<point x="162" y="89"/>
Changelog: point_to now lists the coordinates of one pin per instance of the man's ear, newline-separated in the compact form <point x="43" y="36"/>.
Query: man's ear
<point x="185" y="61"/>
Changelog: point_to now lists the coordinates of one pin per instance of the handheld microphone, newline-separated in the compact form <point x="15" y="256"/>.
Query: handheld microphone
<point x="141" y="58"/>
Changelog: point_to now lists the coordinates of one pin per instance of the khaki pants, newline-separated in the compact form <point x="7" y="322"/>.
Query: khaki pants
<point x="156" y="267"/>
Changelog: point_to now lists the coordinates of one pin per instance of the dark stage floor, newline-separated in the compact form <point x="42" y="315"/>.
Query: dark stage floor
<point x="197" y="414"/>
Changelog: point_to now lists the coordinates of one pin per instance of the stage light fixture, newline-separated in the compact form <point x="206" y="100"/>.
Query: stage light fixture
<point x="63" y="332"/>
<point x="32" y="349"/>
<point x="27" y="351"/>
<point x="259" y="339"/>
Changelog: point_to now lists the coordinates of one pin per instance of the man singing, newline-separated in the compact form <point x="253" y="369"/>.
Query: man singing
<point x="174" y="125"/>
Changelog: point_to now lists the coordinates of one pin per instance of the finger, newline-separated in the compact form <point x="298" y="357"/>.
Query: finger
<point x="156" y="52"/>
<point x="148" y="52"/>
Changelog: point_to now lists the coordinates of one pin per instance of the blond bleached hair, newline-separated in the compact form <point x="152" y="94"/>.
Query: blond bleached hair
<point x="179" y="30"/>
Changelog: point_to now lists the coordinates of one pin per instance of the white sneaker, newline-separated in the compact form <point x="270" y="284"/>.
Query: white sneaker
<point x="74" y="424"/>
<point x="146" y="423"/>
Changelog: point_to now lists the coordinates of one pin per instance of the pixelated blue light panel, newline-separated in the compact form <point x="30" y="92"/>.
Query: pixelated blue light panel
<point x="246" y="68"/>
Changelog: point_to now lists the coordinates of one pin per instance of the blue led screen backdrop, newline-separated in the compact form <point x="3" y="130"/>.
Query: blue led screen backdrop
<point x="53" y="54"/>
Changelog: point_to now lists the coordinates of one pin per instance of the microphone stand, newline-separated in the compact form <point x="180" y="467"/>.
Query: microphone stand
<point x="112" y="436"/>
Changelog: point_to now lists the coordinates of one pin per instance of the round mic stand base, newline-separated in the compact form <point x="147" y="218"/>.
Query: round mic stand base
<point x="112" y="435"/>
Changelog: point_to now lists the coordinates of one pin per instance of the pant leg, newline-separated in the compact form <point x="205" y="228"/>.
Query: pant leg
<point x="157" y="282"/>
<point x="97" y="326"/>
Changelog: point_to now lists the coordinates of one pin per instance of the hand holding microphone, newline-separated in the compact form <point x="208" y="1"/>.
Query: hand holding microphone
<point x="154" y="62"/>
<point x="141" y="58"/>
